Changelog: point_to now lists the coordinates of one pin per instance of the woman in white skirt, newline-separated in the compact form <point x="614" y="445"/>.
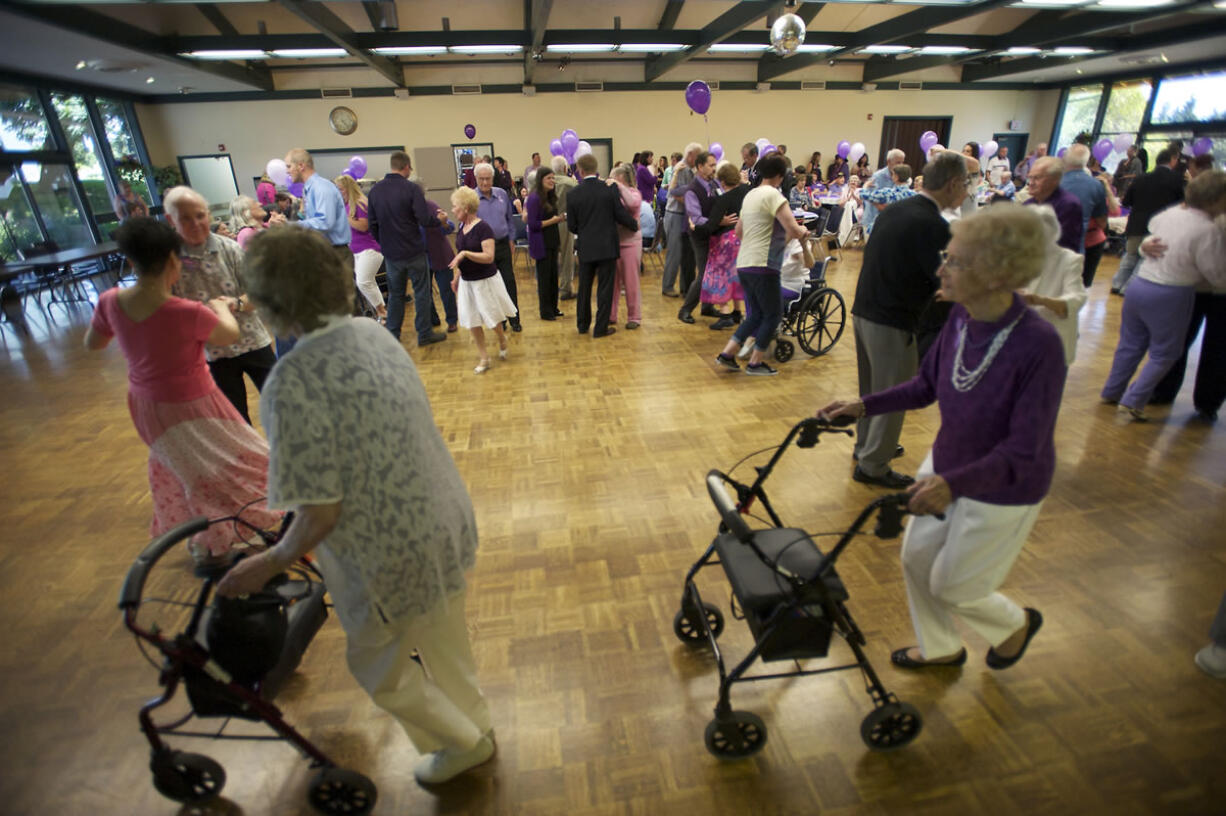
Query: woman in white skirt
<point x="367" y="254"/>
<point x="482" y="301"/>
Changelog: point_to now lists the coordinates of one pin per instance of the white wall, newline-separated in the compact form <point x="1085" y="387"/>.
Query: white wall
<point x="254" y="132"/>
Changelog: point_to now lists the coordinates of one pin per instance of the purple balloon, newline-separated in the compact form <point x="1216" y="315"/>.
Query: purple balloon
<point x="555" y="148"/>
<point x="843" y="149"/>
<point x="927" y="140"/>
<point x="570" y="143"/>
<point x="698" y="96"/>
<point x="569" y="132"/>
<point x="295" y="189"/>
<point x="1060" y="153"/>
<point x="1202" y="146"/>
<point x="348" y="171"/>
<point x="717" y="150"/>
<point x="358" y="165"/>
<point x="1102" y="149"/>
<point x="770" y="148"/>
<point x="470" y="131"/>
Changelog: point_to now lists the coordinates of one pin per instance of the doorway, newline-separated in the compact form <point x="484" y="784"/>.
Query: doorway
<point x="602" y="149"/>
<point x="903" y="132"/>
<point x="1016" y="142"/>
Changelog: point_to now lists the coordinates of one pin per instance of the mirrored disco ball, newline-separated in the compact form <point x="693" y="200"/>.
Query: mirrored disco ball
<point x="787" y="34"/>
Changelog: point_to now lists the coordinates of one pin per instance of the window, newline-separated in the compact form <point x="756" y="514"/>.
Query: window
<point x="56" y="198"/>
<point x="1080" y="111"/>
<point x="1193" y="98"/>
<point x="74" y="119"/>
<point x="23" y="125"/>
<point x="18" y="230"/>
<point x="1126" y="107"/>
<point x="123" y="146"/>
<point x="1156" y="142"/>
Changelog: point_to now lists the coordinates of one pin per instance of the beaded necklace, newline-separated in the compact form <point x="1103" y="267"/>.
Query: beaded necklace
<point x="964" y="380"/>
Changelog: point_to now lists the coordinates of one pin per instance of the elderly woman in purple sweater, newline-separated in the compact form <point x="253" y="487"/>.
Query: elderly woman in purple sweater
<point x="997" y="373"/>
<point x="542" y="219"/>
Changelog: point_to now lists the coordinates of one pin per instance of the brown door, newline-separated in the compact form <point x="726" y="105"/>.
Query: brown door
<point x="904" y="133"/>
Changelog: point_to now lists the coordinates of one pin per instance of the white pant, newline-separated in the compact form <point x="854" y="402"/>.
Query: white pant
<point x="439" y="707"/>
<point x="365" y="267"/>
<point x="954" y="567"/>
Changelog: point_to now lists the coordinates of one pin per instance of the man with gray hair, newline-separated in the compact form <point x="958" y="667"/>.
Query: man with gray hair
<point x="211" y="267"/>
<point x="494" y="208"/>
<point x="898" y="279"/>
<point x="562" y="185"/>
<point x="1093" y="197"/>
<point x="881" y="179"/>
<point x="1044" y="186"/>
<point x="680" y="252"/>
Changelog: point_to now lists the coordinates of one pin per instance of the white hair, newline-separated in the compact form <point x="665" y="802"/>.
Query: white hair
<point x="483" y="167"/>
<point x="558" y="164"/>
<point x="693" y="147"/>
<point x="530" y="179"/>
<point x="175" y="196"/>
<point x="896" y="155"/>
<point x="1077" y="157"/>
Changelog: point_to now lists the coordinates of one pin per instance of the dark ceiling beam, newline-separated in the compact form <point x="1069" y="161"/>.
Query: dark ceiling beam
<point x="978" y="73"/>
<point x="374" y="14"/>
<point x="718" y="30"/>
<point x="219" y="21"/>
<point x="89" y="23"/>
<point x="672" y="10"/>
<point x="340" y="34"/>
<point x="1050" y="26"/>
<point x="536" y="13"/>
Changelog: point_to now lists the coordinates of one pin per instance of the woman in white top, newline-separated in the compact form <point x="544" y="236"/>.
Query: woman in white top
<point x="1058" y="293"/>
<point x="1155" y="316"/>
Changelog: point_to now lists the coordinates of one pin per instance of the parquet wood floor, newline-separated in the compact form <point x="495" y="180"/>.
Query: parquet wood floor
<point x="585" y="461"/>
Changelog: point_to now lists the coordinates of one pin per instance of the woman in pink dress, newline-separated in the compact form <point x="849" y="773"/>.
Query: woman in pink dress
<point x="720" y="285"/>
<point x="630" y="249"/>
<point x="204" y="460"/>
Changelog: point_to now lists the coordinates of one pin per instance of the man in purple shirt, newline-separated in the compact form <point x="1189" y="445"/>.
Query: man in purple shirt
<point x="699" y="197"/>
<point x="494" y="208"/>
<point x="397" y="212"/>
<point x="1044" y="185"/>
<point x="439" y="252"/>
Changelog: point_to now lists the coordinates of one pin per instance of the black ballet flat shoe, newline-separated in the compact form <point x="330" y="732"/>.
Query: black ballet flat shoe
<point x="997" y="662"/>
<point x="902" y="660"/>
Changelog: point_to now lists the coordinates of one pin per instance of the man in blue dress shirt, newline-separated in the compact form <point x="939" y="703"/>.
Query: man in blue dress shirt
<point x="494" y="208"/>
<point x="1093" y="198"/>
<point x="880" y="181"/>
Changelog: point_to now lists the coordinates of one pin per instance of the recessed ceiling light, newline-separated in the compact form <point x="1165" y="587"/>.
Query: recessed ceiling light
<point x="150" y="80"/>
<point x="82" y="65"/>
<point x="655" y="48"/>
<point x="1072" y="51"/>
<point x="486" y="49"/>
<point x="411" y="50"/>
<point x="580" y="48"/>
<point x="944" y="49"/>
<point x="308" y="53"/>
<point x="226" y="55"/>
<point x="738" y="48"/>
<point x="885" y="49"/>
<point x="1023" y="50"/>
<point x="818" y="48"/>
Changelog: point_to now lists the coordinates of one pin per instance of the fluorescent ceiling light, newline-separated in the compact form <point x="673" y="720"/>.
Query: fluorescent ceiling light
<point x="226" y="55"/>
<point x="1072" y="51"/>
<point x="1133" y="3"/>
<point x="486" y="49"/>
<point x="885" y="49"/>
<point x="944" y="49"/>
<point x="411" y="50"/>
<point x="1023" y="50"/>
<point x="737" y="48"/>
<point x="308" y="53"/>
<point x="1055" y="3"/>
<point x="659" y="48"/>
<point x="580" y="48"/>
<point x="817" y="48"/>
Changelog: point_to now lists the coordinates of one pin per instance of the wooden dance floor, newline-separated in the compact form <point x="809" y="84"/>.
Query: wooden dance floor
<point x="585" y="460"/>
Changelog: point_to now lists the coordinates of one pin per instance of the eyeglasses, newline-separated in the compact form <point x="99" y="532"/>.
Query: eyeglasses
<point x="950" y="260"/>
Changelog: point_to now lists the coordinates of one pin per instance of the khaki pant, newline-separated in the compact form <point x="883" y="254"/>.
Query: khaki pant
<point x="566" y="258"/>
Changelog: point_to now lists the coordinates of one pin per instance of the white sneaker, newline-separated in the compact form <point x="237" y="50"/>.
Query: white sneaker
<point x="447" y="764"/>
<point x="745" y="351"/>
<point x="1212" y="661"/>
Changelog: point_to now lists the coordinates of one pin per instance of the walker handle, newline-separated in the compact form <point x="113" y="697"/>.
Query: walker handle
<point x="134" y="583"/>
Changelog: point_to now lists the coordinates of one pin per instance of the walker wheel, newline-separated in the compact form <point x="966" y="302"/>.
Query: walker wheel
<point x="339" y="791"/>
<point x="186" y="777"/>
<point x="689" y="630"/>
<point x="783" y="350"/>
<point x="740" y="735"/>
<point x="891" y="726"/>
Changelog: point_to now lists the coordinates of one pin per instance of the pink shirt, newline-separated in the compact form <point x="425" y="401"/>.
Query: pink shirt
<point x="165" y="351"/>
<point x="246" y="234"/>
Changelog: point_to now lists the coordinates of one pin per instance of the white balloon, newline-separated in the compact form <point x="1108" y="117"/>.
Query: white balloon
<point x="987" y="149"/>
<point x="278" y="172"/>
<point x="761" y="143"/>
<point x="857" y="150"/>
<point x="584" y="149"/>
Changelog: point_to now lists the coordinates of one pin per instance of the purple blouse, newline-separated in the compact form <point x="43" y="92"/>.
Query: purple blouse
<point x="996" y="442"/>
<point x="470" y="270"/>
<point x="645" y="180"/>
<point x="361" y="240"/>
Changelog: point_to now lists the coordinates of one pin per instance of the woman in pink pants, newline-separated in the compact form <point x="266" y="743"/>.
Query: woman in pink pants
<point x="631" y="249"/>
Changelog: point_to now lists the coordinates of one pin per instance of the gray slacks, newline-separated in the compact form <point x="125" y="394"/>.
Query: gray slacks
<point x="885" y="357"/>
<point x="566" y="257"/>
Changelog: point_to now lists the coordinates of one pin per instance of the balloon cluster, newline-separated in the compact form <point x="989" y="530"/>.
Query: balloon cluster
<point x="278" y="171"/>
<point x="928" y="140"/>
<point x="356" y="168"/>
<point x="1202" y="146"/>
<point x="849" y="151"/>
<point x="569" y="146"/>
<point x="765" y="146"/>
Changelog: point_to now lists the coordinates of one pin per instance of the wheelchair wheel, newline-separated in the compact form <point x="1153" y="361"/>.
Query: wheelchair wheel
<point x="891" y="726"/>
<point x="783" y="350"/>
<point x="186" y="777"/>
<point x="820" y="321"/>
<point x="338" y="791"/>
<point x="741" y="735"/>
<point x="688" y="629"/>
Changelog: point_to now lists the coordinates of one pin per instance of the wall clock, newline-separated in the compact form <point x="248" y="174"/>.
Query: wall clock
<point x="343" y="120"/>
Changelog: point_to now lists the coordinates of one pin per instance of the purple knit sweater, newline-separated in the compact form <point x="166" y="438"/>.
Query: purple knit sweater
<point x="996" y="441"/>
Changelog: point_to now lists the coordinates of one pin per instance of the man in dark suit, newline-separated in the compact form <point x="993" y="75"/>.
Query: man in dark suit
<point x="1148" y="194"/>
<point x="593" y="211"/>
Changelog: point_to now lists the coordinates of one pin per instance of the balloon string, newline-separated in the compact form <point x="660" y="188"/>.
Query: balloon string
<point x="708" y="126"/>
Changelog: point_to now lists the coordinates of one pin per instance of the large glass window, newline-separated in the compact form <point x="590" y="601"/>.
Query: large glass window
<point x="1124" y="115"/>
<point x="1194" y="98"/>
<point x="22" y="123"/>
<point x="18" y="230"/>
<point x="123" y="146"/>
<point x="1080" y="111"/>
<point x="57" y="202"/>
<point x="74" y="119"/>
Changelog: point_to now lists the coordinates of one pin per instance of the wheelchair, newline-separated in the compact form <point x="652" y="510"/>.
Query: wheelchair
<point x="815" y="317"/>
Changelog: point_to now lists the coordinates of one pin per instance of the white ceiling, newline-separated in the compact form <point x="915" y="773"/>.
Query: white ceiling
<point x="1191" y="54"/>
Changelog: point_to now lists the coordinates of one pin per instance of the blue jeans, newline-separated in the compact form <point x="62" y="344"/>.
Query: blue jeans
<point x="443" y="278"/>
<point x="763" y="308"/>
<point x="399" y="274"/>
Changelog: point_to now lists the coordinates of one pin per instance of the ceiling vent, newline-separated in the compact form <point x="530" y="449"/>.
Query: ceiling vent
<point x="529" y="90"/>
<point x="910" y="85"/>
<point x="713" y="84"/>
<point x="336" y="93"/>
<point x="868" y="87"/>
<point x="110" y="66"/>
<point x="1144" y="59"/>
<point x="817" y="85"/>
<point x="401" y="93"/>
<point x="465" y="90"/>
<point x="589" y="87"/>
<point x="762" y="87"/>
